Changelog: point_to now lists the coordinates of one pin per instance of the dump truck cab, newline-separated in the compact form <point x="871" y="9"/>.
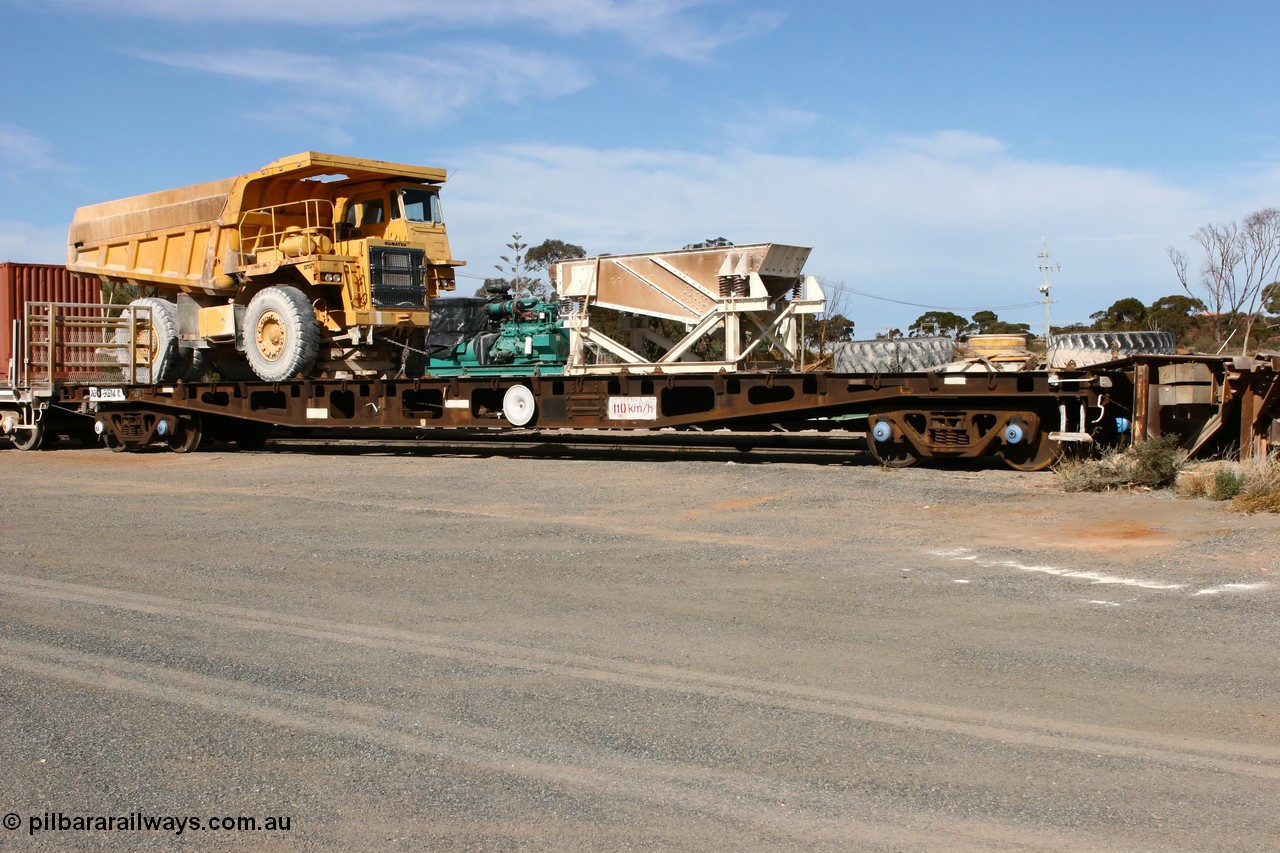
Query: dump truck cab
<point x="313" y="265"/>
<point x="402" y="210"/>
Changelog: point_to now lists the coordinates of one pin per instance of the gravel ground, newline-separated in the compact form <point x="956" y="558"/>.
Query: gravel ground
<point x="415" y="651"/>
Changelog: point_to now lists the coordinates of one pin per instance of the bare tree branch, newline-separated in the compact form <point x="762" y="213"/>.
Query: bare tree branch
<point x="1238" y="261"/>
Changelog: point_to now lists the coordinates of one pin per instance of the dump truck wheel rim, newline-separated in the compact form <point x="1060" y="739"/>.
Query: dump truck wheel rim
<point x="282" y="334"/>
<point x="145" y="348"/>
<point x="271" y="336"/>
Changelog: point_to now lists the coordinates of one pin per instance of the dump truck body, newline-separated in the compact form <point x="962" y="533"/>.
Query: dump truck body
<point x="363" y="242"/>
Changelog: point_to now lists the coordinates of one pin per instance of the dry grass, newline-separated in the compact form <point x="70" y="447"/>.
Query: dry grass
<point x="1150" y="464"/>
<point x="1252" y="485"/>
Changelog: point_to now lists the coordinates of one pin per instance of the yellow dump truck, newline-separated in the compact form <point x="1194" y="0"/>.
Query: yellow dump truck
<point x="313" y="265"/>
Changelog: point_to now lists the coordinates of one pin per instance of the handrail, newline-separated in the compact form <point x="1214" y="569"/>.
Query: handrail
<point x="272" y="227"/>
<point x="81" y="341"/>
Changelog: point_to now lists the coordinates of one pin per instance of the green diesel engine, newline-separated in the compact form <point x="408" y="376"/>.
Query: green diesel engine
<point x="500" y="335"/>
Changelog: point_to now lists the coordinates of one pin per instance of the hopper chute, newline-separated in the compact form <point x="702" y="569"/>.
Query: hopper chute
<point x="739" y="305"/>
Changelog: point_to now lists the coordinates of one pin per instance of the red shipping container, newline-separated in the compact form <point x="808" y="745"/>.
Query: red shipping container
<point x="23" y="283"/>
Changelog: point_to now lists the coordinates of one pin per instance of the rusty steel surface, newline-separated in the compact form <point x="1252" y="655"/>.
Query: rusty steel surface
<point x="980" y="408"/>
<point x="588" y="401"/>
<point x="1213" y="404"/>
<point x="23" y="283"/>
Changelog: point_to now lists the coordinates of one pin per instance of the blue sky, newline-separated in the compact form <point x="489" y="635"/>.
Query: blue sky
<point x="922" y="149"/>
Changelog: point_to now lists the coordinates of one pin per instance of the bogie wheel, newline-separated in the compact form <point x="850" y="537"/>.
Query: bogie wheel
<point x="189" y="434"/>
<point x="153" y="349"/>
<point x="30" y="439"/>
<point x="894" y="454"/>
<point x="1036" y="454"/>
<point x="518" y="405"/>
<point x="282" y="336"/>
<point x="890" y="450"/>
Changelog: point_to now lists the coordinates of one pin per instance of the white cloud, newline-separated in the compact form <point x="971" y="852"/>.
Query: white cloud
<point x="657" y="27"/>
<point x="948" y="145"/>
<point x="952" y="219"/>
<point x="766" y="124"/>
<point x="22" y="151"/>
<point x="30" y="244"/>
<point x="420" y="89"/>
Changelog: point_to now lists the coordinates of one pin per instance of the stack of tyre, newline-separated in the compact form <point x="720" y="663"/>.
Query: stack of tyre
<point x="900" y="355"/>
<point x="1080" y="349"/>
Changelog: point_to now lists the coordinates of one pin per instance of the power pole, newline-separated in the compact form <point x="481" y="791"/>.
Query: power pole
<point x="1046" y="267"/>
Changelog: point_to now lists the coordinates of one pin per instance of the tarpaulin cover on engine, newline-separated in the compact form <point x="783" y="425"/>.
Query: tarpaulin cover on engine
<point x="454" y="321"/>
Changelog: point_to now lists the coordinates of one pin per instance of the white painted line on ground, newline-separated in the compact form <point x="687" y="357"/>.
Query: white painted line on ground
<point x="1230" y="587"/>
<point x="1093" y="577"/>
<point x="968" y="556"/>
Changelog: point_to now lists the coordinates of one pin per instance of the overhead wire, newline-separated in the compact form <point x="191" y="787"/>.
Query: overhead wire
<point x="853" y="290"/>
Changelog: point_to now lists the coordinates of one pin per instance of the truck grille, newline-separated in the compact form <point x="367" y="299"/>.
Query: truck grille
<point x="397" y="277"/>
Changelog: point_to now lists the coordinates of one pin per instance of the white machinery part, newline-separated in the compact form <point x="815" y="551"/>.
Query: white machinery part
<point x="518" y="405"/>
<point x="749" y="296"/>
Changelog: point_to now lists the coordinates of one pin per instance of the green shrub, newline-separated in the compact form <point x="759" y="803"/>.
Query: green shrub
<point x="1152" y="464"/>
<point x="1156" y="462"/>
<point x="1227" y="484"/>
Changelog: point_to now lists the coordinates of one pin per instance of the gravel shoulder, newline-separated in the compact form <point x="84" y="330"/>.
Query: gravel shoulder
<point x="409" y="650"/>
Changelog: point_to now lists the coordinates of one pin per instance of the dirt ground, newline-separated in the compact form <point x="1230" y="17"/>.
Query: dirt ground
<point x="415" y="650"/>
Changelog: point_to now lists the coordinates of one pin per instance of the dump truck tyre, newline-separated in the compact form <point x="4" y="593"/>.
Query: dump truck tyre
<point x="195" y="364"/>
<point x="281" y="334"/>
<point x="1085" y="348"/>
<point x="232" y="367"/>
<point x="161" y="360"/>
<point x="897" y="355"/>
